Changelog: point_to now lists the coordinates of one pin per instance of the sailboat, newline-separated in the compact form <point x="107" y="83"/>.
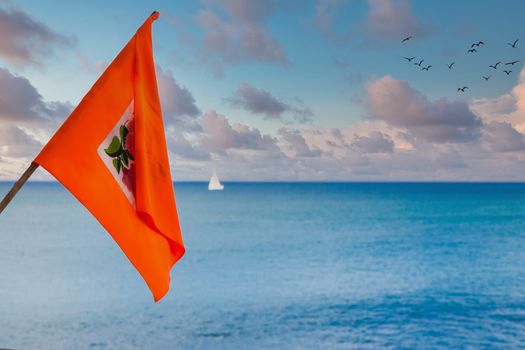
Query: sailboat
<point x="215" y="184"/>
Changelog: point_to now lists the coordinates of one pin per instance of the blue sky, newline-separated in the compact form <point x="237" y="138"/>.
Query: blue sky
<point x="313" y="77"/>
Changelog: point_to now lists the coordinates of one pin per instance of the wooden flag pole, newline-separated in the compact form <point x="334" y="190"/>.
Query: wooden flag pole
<point x="17" y="186"/>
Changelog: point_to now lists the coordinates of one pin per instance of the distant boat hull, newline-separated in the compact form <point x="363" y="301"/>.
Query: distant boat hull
<point x="215" y="187"/>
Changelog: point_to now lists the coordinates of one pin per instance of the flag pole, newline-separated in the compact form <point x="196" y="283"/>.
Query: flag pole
<point x="17" y="186"/>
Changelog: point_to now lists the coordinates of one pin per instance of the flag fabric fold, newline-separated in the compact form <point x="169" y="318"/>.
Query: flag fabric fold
<point x="111" y="155"/>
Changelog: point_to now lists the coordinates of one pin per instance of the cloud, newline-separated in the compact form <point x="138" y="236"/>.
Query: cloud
<point x="94" y="68"/>
<point x="448" y="159"/>
<point x="387" y="20"/>
<point x="392" y="20"/>
<point x="246" y="11"/>
<point x="242" y="35"/>
<point x="181" y="116"/>
<point x="375" y="142"/>
<point x="399" y="105"/>
<point x="26" y="41"/>
<point x="296" y="142"/>
<point x="178" y="104"/>
<point x="406" y="137"/>
<point x="220" y="136"/>
<point x="259" y="101"/>
<point x="502" y="137"/>
<point x="489" y="107"/>
<point x="20" y="102"/>
<point x="509" y="107"/>
<point x="371" y="138"/>
<point x="180" y="146"/>
<point x="326" y="14"/>
<point x="16" y="142"/>
<point x="26" y="122"/>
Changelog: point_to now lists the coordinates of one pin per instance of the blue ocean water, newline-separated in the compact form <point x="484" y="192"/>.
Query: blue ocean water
<point x="275" y="265"/>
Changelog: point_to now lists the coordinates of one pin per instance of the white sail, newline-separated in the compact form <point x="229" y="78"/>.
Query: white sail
<point x="215" y="184"/>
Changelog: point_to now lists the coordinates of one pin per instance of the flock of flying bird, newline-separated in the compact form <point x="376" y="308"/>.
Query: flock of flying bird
<point x="472" y="50"/>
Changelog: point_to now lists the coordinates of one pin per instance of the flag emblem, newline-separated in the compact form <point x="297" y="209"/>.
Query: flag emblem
<point x="117" y="150"/>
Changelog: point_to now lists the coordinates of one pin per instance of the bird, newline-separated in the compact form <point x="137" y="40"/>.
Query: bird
<point x="463" y="89"/>
<point x="478" y="44"/>
<point x="420" y="63"/>
<point x="513" y="45"/>
<point x="507" y="72"/>
<point x="472" y="50"/>
<point x="495" y="66"/>
<point x="450" y="65"/>
<point x="409" y="59"/>
<point x="511" y="63"/>
<point x="486" y="78"/>
<point x="406" y="39"/>
<point x="426" y="68"/>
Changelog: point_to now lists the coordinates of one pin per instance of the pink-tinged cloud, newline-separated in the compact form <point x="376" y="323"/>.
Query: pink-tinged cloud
<point x="26" y="41"/>
<point x="246" y="11"/>
<point x="219" y="135"/>
<point x="394" y="20"/>
<point x="242" y="36"/>
<point x="509" y="107"/>
<point x="399" y="105"/>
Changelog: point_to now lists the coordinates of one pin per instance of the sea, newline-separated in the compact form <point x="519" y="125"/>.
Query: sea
<point x="275" y="266"/>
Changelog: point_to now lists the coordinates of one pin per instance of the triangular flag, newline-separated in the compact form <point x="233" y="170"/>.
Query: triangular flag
<point x="111" y="155"/>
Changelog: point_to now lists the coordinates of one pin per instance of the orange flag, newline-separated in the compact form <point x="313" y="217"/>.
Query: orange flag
<point x="111" y="155"/>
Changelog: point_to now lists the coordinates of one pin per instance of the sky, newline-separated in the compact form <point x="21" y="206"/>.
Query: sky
<point x="288" y="90"/>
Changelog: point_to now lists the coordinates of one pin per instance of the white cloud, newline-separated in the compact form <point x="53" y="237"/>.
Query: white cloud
<point x="508" y="107"/>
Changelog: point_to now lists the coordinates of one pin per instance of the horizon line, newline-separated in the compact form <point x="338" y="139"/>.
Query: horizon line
<point x="324" y="181"/>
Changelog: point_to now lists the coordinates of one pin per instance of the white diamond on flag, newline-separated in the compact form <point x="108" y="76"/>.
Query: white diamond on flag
<point x="117" y="152"/>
